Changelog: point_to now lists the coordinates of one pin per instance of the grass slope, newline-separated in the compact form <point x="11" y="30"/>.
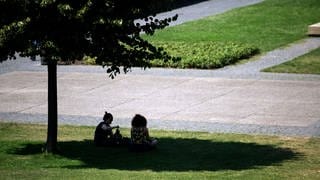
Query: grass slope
<point x="266" y="26"/>
<point x="180" y="155"/>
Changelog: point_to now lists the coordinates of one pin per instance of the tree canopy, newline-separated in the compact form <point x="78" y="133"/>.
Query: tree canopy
<point x="69" y="30"/>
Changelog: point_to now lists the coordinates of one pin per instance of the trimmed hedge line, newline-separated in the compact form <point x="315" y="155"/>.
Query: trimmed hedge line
<point x="204" y="55"/>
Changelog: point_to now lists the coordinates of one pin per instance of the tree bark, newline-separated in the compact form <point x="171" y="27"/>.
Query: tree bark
<point x="52" y="132"/>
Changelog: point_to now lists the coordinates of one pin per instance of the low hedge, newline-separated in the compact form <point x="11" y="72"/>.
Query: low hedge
<point x="204" y="55"/>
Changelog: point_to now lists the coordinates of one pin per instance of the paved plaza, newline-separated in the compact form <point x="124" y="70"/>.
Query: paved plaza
<point x="181" y="103"/>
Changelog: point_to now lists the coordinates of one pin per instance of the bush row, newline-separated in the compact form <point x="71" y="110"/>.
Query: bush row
<point x="204" y="55"/>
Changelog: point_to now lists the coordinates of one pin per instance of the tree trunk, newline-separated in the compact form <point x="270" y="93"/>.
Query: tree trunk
<point x="51" y="145"/>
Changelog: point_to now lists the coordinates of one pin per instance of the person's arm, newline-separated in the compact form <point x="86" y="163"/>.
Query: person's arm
<point x="107" y="129"/>
<point x="147" y="133"/>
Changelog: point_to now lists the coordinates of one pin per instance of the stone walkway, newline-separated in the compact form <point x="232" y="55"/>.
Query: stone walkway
<point x="169" y="102"/>
<point x="235" y="99"/>
<point x="204" y="9"/>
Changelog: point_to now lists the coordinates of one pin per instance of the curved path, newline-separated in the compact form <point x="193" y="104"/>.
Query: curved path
<point x="236" y="99"/>
<point x="204" y="9"/>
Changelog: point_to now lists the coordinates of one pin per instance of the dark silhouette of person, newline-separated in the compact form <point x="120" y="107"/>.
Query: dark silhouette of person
<point x="140" y="139"/>
<point x="103" y="135"/>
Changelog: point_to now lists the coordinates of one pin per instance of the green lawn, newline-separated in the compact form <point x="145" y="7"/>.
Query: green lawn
<point x="266" y="26"/>
<point x="180" y="155"/>
<point x="306" y="64"/>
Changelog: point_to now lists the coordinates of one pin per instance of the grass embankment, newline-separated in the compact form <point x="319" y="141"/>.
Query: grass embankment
<point x="180" y="155"/>
<point x="306" y="64"/>
<point x="265" y="26"/>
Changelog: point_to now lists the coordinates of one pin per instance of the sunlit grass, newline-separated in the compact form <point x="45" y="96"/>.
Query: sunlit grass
<point x="266" y="26"/>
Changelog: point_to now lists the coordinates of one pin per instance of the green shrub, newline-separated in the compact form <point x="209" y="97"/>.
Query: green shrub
<point x="89" y="60"/>
<point x="204" y="55"/>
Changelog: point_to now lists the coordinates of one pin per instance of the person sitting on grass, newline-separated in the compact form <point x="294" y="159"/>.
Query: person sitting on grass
<point x="103" y="135"/>
<point x="140" y="139"/>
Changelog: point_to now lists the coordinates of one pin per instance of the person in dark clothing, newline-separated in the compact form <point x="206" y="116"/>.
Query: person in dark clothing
<point x="103" y="135"/>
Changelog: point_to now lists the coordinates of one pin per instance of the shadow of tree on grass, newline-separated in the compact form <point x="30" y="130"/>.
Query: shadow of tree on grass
<point x="171" y="155"/>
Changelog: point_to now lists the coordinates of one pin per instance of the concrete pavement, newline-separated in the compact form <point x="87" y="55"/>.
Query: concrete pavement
<point x="203" y="9"/>
<point x="180" y="103"/>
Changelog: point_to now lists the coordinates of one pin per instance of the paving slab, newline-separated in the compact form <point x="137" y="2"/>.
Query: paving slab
<point x="185" y="103"/>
